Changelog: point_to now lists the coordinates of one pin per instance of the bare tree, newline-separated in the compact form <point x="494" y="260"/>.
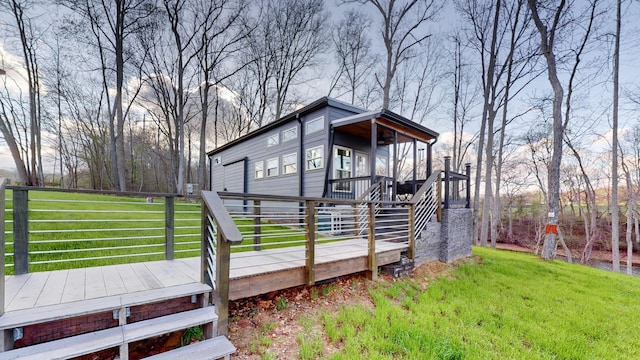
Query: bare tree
<point x="402" y="29"/>
<point x="355" y="57"/>
<point x="28" y="160"/>
<point x="548" y="27"/>
<point x="288" y="40"/>
<point x="615" y="235"/>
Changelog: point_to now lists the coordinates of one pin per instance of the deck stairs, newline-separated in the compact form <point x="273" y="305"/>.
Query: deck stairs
<point x="104" y="328"/>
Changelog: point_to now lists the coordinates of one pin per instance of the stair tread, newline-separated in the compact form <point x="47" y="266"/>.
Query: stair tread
<point x="69" y="347"/>
<point x="166" y="324"/>
<point x="104" y="339"/>
<point x="18" y="318"/>
<point x="204" y="350"/>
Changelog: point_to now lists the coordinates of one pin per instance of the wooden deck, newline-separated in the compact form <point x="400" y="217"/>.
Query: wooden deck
<point x="251" y="273"/>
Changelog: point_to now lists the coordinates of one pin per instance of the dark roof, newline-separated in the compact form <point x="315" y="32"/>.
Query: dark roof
<point x="318" y="104"/>
<point x="385" y="114"/>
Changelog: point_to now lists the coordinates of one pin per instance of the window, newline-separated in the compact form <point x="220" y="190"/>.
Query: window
<point x="289" y="134"/>
<point x="362" y="164"/>
<point x="342" y="168"/>
<point x="289" y="164"/>
<point x="273" y="140"/>
<point x="315" y="157"/>
<point x="382" y="166"/>
<point x="315" y="125"/>
<point x="259" y="170"/>
<point x="272" y="167"/>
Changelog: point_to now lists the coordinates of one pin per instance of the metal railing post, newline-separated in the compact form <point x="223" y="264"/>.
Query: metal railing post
<point x="20" y="231"/>
<point x="468" y="173"/>
<point x="447" y="170"/>
<point x="169" y="225"/>
<point x="310" y="244"/>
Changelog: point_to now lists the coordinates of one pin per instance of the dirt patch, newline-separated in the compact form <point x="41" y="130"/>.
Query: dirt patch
<point x="270" y="325"/>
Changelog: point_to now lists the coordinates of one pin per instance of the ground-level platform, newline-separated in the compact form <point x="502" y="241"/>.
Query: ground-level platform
<point x="54" y="294"/>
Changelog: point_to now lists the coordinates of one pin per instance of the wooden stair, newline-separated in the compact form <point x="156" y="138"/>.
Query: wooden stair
<point x="117" y="338"/>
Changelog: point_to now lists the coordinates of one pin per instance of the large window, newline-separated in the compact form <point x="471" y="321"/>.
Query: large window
<point x="259" y="170"/>
<point x="315" y="158"/>
<point x="272" y="167"/>
<point x="289" y="134"/>
<point x="342" y="168"/>
<point x="273" y="140"/>
<point x="315" y="125"/>
<point x="289" y="164"/>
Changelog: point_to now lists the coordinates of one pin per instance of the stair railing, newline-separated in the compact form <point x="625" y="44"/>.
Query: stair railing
<point x="424" y="204"/>
<point x="218" y="233"/>
<point x="3" y="184"/>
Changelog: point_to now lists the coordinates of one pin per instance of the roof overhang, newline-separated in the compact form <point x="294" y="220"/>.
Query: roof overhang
<point x="388" y="123"/>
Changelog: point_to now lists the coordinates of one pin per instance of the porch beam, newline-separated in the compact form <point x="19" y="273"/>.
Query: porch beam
<point x="394" y="187"/>
<point x="415" y="166"/>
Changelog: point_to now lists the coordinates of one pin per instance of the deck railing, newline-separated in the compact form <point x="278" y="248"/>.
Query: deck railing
<point x="426" y="203"/>
<point x="219" y="232"/>
<point x="51" y="229"/>
<point x="457" y="188"/>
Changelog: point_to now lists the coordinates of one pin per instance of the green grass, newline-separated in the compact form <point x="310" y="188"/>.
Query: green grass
<point x="70" y="230"/>
<point x="509" y="306"/>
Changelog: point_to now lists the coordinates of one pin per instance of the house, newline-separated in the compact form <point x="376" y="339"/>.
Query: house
<point x="326" y="149"/>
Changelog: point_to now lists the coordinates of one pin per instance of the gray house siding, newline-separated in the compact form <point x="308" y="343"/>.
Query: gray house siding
<point x="305" y="182"/>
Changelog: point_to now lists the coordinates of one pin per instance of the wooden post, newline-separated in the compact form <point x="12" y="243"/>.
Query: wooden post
<point x="468" y="173"/>
<point x="310" y="244"/>
<point x="412" y="230"/>
<point x="20" y="231"/>
<point x="169" y="223"/>
<point x="223" y="260"/>
<point x="257" y="230"/>
<point x="372" y="259"/>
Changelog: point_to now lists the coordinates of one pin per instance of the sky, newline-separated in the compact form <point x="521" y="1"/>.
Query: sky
<point x="600" y="93"/>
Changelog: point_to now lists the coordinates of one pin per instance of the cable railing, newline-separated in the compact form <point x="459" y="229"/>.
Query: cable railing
<point x="52" y="229"/>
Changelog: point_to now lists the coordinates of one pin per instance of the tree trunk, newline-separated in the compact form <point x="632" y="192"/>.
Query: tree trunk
<point x="615" y="235"/>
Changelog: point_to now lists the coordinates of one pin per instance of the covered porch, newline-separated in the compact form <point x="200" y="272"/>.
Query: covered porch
<point x="378" y="147"/>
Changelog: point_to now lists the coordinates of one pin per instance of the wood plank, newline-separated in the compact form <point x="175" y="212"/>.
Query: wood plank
<point x="165" y="274"/>
<point x="340" y="268"/>
<point x="113" y="282"/>
<point x="74" y="287"/>
<point x="68" y="347"/>
<point x="133" y="282"/>
<point x="13" y="285"/>
<point x="209" y="349"/>
<point x="146" y="277"/>
<point x="16" y="318"/>
<point x="166" y="324"/>
<point x="95" y="283"/>
<point x="189" y="268"/>
<point x="261" y="284"/>
<point x="182" y="272"/>
<point x="52" y="291"/>
<point x="160" y="294"/>
<point x="29" y="293"/>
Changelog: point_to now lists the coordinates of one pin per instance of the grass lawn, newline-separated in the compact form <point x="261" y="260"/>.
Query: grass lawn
<point x="505" y="306"/>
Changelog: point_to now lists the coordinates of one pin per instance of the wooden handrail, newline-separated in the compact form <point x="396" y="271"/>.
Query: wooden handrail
<point x="435" y="176"/>
<point x="226" y="226"/>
